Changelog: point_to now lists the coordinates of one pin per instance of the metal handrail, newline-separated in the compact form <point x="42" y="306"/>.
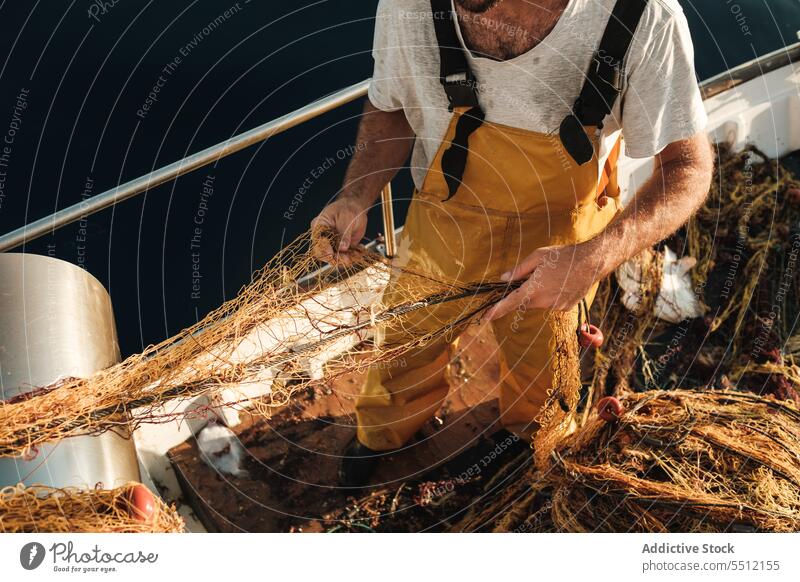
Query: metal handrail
<point x="388" y="221"/>
<point x="175" y="170"/>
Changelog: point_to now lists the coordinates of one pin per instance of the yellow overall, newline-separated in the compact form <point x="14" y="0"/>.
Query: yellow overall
<point x="520" y="191"/>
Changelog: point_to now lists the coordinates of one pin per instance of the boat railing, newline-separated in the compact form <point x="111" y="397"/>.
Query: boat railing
<point x="172" y="171"/>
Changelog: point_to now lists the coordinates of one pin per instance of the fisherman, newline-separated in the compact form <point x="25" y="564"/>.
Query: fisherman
<point x="516" y="112"/>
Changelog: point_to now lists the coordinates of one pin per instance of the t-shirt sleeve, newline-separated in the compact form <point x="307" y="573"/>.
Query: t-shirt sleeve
<point x="662" y="103"/>
<point x="385" y="89"/>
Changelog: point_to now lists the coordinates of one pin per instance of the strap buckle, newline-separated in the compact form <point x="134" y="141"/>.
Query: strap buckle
<point x="587" y="114"/>
<point x="461" y="89"/>
<point x="457" y="78"/>
<point x="575" y="141"/>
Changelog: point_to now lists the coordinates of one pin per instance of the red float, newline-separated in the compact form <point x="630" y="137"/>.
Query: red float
<point x="610" y="408"/>
<point x="590" y="335"/>
<point x="140" y="503"/>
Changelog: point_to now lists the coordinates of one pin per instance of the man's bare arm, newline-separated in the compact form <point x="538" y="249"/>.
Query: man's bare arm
<point x="384" y="140"/>
<point x="677" y="188"/>
<point x="384" y="143"/>
<point x="559" y="277"/>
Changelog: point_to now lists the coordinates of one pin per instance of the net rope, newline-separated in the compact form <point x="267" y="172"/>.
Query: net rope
<point x="267" y="335"/>
<point x="38" y="509"/>
<point x="679" y="459"/>
<point x="710" y="440"/>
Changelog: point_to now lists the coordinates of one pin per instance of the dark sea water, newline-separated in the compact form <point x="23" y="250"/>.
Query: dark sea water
<point x="75" y="79"/>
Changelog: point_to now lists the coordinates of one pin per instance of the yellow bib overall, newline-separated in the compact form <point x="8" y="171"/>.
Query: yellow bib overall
<point x="520" y="191"/>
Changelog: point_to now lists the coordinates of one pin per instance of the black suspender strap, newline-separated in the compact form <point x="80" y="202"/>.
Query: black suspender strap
<point x="600" y="91"/>
<point x="460" y="87"/>
<point x="604" y="79"/>
<point x="454" y="159"/>
<point x="603" y="83"/>
<point x="455" y="75"/>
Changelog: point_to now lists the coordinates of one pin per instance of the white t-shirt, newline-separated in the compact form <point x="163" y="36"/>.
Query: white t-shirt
<point x="660" y="103"/>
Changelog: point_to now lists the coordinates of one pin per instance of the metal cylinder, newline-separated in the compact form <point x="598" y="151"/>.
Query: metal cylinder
<point x="56" y="322"/>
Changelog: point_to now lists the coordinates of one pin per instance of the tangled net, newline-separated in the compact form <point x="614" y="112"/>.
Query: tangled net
<point x="677" y="461"/>
<point x="558" y="414"/>
<point x="746" y="239"/>
<point x="276" y="330"/>
<point x="683" y="461"/>
<point x="723" y="456"/>
<point x="44" y="509"/>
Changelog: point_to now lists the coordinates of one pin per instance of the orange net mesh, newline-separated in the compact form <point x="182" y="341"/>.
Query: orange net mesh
<point x="271" y="335"/>
<point x="723" y="455"/>
<point x="128" y="509"/>
<point x="678" y="460"/>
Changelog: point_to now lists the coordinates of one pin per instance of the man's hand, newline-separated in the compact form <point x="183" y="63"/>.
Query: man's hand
<point x="556" y="278"/>
<point x="385" y="139"/>
<point x="559" y="277"/>
<point x="347" y="217"/>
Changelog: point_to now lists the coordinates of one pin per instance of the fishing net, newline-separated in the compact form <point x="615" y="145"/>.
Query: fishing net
<point x="677" y="460"/>
<point x="283" y="331"/>
<point x="128" y="509"/>
<point x="558" y="415"/>
<point x="719" y="449"/>
<point x="746" y="241"/>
